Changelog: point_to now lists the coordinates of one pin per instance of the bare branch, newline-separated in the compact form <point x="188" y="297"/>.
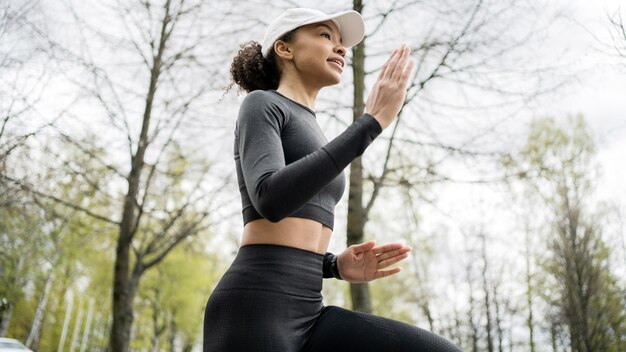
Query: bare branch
<point x="93" y="156"/>
<point x="30" y="189"/>
<point x="385" y="15"/>
<point x="185" y="232"/>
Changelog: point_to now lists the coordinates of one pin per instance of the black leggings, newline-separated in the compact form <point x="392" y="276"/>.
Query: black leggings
<point x="270" y="300"/>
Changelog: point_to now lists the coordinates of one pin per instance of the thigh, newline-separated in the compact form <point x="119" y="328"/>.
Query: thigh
<point x="339" y="329"/>
<point x="245" y="320"/>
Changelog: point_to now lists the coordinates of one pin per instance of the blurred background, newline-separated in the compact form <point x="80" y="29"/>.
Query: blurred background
<point x="119" y="207"/>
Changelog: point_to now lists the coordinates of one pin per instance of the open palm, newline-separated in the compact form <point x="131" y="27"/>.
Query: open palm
<point x="364" y="262"/>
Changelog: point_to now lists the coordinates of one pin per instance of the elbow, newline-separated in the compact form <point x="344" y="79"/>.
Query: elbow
<point x="267" y="205"/>
<point x="275" y="218"/>
<point x="270" y="211"/>
<point x="272" y="216"/>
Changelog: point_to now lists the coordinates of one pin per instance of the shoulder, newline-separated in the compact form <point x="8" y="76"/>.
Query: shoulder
<point x="261" y="105"/>
<point x="265" y="100"/>
<point x="259" y="95"/>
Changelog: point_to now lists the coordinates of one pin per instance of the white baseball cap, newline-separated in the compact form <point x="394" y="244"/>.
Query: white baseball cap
<point x="350" y="25"/>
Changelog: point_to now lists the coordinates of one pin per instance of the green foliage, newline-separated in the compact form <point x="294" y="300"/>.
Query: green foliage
<point x="44" y="237"/>
<point x="394" y="297"/>
<point x="172" y="297"/>
<point x="556" y="164"/>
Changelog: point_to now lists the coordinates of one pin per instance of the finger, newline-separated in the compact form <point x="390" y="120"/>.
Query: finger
<point x="393" y="62"/>
<point x="390" y="261"/>
<point x="388" y="247"/>
<point x="388" y="254"/>
<point x="384" y="273"/>
<point x="400" y="66"/>
<point x="363" y="247"/>
<point x="386" y="64"/>
<point x="393" y="253"/>
<point x="407" y="71"/>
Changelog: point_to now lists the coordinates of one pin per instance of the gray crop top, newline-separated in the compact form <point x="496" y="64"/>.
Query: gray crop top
<point x="285" y="165"/>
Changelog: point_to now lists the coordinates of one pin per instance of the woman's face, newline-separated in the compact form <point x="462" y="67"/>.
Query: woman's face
<point x="317" y="55"/>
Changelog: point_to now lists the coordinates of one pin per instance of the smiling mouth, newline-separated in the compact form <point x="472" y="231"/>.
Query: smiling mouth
<point x="337" y="63"/>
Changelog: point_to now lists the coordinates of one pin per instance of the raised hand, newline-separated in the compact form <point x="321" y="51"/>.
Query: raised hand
<point x="389" y="90"/>
<point x="364" y="262"/>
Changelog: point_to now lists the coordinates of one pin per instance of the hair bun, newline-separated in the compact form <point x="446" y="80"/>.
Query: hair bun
<point x="251" y="71"/>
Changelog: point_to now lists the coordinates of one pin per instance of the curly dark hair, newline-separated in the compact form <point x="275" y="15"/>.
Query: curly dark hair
<point x="251" y="71"/>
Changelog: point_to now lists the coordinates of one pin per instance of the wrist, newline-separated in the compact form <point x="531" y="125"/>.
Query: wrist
<point x="377" y="119"/>
<point x="330" y="268"/>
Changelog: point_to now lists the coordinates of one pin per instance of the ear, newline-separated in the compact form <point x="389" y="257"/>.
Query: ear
<point x="283" y="50"/>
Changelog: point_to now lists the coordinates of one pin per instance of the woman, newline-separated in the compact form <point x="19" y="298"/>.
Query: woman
<point x="290" y="178"/>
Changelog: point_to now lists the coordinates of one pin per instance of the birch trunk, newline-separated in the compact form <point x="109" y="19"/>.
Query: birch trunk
<point x="77" y="324"/>
<point x="33" y="337"/>
<point x="85" y="339"/>
<point x="66" y="323"/>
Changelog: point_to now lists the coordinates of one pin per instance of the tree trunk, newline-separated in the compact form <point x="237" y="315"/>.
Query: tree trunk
<point x="157" y="330"/>
<point x="123" y="287"/>
<point x="85" y="340"/>
<point x="360" y="293"/>
<point x="489" y="327"/>
<point x="33" y="337"/>
<point x="6" y="316"/>
<point x="6" y="319"/>
<point x="66" y="323"/>
<point x="553" y="337"/>
<point x="499" y="329"/>
<point x="122" y="302"/>
<point x="529" y="296"/>
<point x="173" y="330"/>
<point x="77" y="324"/>
<point x="470" y="313"/>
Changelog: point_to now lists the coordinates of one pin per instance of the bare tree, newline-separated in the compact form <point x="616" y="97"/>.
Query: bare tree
<point x="473" y="324"/>
<point x="498" y="317"/>
<point x="617" y="30"/>
<point x="486" y="291"/>
<point x="167" y="47"/>
<point x="530" y="320"/>
<point x="460" y="53"/>
<point x="557" y="164"/>
<point x="23" y="78"/>
<point x="420" y="260"/>
<point x="32" y="340"/>
<point x="166" y="199"/>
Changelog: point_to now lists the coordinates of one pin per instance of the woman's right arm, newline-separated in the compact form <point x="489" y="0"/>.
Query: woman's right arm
<point x="276" y="189"/>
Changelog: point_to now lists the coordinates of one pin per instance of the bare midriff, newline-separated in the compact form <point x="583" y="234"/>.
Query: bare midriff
<point x="301" y="233"/>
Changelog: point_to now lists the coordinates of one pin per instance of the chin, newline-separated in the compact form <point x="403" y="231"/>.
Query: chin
<point x="336" y="79"/>
<point x="330" y="84"/>
<point x="326" y="79"/>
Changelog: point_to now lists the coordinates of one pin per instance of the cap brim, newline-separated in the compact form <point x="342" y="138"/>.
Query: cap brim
<point x="351" y="26"/>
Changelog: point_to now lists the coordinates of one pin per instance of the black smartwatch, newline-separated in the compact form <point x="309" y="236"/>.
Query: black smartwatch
<point x="329" y="266"/>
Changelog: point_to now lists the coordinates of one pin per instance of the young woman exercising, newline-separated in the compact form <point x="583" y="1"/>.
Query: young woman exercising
<point x="290" y="178"/>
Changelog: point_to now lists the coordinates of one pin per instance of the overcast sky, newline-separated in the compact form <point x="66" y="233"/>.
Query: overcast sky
<point x="600" y="94"/>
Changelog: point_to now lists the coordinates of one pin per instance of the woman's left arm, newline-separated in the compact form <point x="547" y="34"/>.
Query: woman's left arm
<point x="365" y="262"/>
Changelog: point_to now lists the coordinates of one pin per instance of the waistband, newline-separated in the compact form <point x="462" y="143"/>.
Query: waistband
<point x="275" y="268"/>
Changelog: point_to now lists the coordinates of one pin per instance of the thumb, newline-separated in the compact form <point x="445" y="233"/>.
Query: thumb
<point x="364" y="247"/>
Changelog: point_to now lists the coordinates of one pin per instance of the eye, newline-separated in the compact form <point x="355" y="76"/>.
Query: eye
<point x="326" y="34"/>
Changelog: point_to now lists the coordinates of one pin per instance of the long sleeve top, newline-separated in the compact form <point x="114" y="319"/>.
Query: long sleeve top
<point x="285" y="165"/>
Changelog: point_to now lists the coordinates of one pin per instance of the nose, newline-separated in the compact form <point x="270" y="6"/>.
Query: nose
<point x="340" y="49"/>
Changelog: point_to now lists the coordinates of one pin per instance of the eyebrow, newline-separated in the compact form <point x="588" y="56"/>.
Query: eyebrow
<point x="327" y="26"/>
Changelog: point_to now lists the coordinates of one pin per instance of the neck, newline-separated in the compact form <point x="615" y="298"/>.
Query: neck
<point x="298" y="91"/>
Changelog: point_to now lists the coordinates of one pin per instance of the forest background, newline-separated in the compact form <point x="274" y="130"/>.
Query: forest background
<point x="119" y="207"/>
